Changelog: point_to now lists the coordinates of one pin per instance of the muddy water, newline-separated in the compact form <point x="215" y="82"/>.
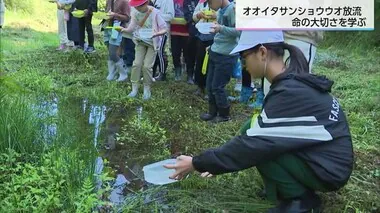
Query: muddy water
<point x="100" y="124"/>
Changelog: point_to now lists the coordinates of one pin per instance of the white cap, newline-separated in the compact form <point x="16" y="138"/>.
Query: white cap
<point x="252" y="38"/>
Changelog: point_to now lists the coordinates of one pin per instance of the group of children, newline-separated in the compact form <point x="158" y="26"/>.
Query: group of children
<point x="136" y="33"/>
<point x="72" y="29"/>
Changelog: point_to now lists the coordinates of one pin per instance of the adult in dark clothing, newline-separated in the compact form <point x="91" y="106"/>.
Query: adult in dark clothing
<point x="85" y="23"/>
<point x="300" y="142"/>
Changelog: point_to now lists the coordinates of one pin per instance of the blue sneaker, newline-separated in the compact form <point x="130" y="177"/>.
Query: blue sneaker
<point x="259" y="100"/>
<point x="90" y="50"/>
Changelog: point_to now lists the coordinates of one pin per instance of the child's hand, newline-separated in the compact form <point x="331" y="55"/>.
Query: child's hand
<point x="201" y="15"/>
<point x="111" y="14"/>
<point x="121" y="29"/>
<point x="213" y="16"/>
<point x="216" y="28"/>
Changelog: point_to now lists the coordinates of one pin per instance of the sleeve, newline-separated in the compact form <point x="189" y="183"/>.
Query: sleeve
<point x="277" y="130"/>
<point x="161" y="22"/>
<point x="125" y="12"/>
<point x="188" y="11"/>
<point x="132" y="25"/>
<point x="196" y="11"/>
<point x="230" y="31"/>
<point x="168" y="11"/>
<point x="92" y="5"/>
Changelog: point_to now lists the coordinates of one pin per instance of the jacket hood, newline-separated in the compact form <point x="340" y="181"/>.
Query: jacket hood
<point x="320" y="83"/>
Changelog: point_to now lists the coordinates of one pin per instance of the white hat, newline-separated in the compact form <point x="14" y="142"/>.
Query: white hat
<point x="252" y="38"/>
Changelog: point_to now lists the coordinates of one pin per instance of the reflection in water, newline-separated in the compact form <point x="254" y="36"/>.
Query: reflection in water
<point x="47" y="110"/>
<point x="97" y="117"/>
<point x="139" y="114"/>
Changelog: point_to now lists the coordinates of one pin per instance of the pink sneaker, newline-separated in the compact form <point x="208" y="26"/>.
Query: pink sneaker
<point x="61" y="47"/>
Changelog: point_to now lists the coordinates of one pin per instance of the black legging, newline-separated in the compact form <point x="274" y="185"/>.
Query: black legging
<point x="199" y="78"/>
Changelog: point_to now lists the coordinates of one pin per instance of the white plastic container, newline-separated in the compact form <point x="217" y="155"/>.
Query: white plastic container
<point x="204" y="28"/>
<point x="156" y="173"/>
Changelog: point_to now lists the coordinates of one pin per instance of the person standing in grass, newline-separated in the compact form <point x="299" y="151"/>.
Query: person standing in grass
<point x="202" y="14"/>
<point x="144" y="19"/>
<point x="166" y="8"/>
<point x="300" y="142"/>
<point x="63" y="7"/>
<point x="85" y="23"/>
<point x="179" y="38"/>
<point x="188" y="10"/>
<point x="119" y="15"/>
<point x="221" y="63"/>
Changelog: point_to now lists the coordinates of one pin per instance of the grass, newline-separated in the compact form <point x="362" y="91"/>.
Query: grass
<point x="28" y="58"/>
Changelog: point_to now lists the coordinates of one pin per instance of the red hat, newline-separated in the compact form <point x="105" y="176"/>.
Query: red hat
<point x="136" y="3"/>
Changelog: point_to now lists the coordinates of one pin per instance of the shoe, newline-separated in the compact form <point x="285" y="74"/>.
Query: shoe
<point x="90" y="50"/>
<point x="122" y="69"/>
<point x="259" y="100"/>
<point x="199" y="92"/>
<point x="61" y="47"/>
<point x="308" y="202"/>
<point x="238" y="87"/>
<point x="190" y="75"/>
<point x="224" y="115"/>
<point x="160" y="77"/>
<point x="111" y="70"/>
<point x="147" y="93"/>
<point x="233" y="99"/>
<point x="190" y="80"/>
<point x="135" y="89"/>
<point x="178" y="73"/>
<point x="245" y="94"/>
<point x="78" y="47"/>
<point x="211" y="114"/>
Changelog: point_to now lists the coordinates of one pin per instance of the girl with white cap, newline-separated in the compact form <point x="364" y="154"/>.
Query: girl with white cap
<point x="300" y="142"/>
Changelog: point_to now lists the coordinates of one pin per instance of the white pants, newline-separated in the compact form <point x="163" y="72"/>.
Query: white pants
<point x="307" y="49"/>
<point x="62" y="28"/>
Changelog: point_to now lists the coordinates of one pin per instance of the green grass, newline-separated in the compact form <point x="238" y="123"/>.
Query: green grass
<point x="29" y="58"/>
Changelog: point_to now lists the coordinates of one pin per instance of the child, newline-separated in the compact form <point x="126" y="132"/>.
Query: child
<point x="202" y="13"/>
<point x="188" y="9"/>
<point x="179" y="38"/>
<point x="221" y="63"/>
<point x="89" y="7"/>
<point x="119" y="14"/>
<point x="166" y="8"/>
<point x="144" y="18"/>
<point x="63" y="6"/>
<point x="306" y="41"/>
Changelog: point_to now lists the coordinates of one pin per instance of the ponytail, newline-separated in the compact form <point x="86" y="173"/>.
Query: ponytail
<point x="296" y="62"/>
<point x="296" y="59"/>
